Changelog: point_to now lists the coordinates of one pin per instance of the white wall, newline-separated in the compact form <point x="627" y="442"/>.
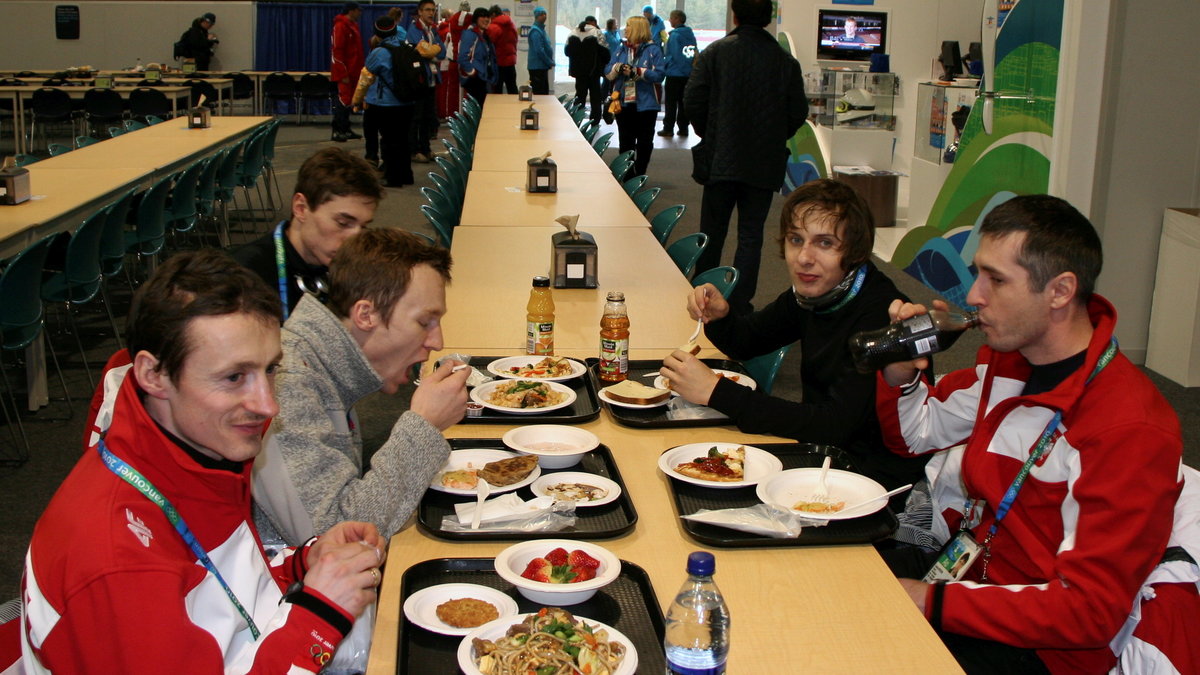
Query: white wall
<point x="915" y="32"/>
<point x="115" y="34"/>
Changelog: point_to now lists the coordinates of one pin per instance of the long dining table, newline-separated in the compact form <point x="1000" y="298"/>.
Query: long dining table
<point x="828" y="609"/>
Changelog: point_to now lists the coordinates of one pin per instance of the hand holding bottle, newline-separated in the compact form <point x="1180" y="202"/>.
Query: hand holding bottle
<point x="898" y="374"/>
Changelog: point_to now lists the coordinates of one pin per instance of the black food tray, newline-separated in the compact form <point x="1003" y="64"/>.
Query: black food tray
<point x="657" y="418"/>
<point x="591" y="522"/>
<point x="627" y="604"/>
<point x="585" y="408"/>
<point x="690" y="498"/>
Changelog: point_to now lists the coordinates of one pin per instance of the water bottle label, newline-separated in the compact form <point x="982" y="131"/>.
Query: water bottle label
<point x="675" y="669"/>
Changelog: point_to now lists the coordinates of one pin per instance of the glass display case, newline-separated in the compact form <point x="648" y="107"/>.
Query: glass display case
<point x="848" y="99"/>
<point x="936" y="104"/>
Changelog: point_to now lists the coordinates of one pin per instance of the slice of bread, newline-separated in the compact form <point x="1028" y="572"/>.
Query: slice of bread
<point x="636" y="393"/>
<point x="691" y="348"/>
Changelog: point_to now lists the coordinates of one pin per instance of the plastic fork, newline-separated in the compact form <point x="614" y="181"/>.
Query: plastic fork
<point x="822" y="493"/>
<point x="482" y="490"/>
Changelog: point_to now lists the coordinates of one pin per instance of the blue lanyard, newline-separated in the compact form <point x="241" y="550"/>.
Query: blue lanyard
<point x="1039" y="449"/>
<point x="281" y="268"/>
<point x="860" y="277"/>
<point x="138" y="481"/>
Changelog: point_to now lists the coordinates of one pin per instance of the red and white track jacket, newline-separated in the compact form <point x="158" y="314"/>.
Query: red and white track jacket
<point x="110" y="586"/>
<point x="1094" y="516"/>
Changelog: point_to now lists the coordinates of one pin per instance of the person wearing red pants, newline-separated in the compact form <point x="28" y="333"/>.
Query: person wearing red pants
<point x="346" y="61"/>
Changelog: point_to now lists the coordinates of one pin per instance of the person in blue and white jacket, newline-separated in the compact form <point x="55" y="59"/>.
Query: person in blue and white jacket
<point x="541" y="53"/>
<point x="422" y="34"/>
<point x="390" y="115"/>
<point x="477" y="69"/>
<point x="681" y="51"/>
<point x="636" y="67"/>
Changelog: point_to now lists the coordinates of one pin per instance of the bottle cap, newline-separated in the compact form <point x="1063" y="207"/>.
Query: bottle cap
<point x="701" y="563"/>
<point x="541" y="282"/>
<point x="616" y="296"/>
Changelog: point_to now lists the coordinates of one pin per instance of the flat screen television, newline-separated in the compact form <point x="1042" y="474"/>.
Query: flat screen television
<point x="850" y="35"/>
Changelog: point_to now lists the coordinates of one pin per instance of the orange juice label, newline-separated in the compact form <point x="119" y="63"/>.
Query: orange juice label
<point x="539" y="337"/>
<point x="614" y="359"/>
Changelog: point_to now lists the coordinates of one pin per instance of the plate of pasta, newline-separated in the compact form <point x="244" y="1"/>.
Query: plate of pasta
<point x="549" y="637"/>
<point x="523" y="397"/>
<point x="545" y="368"/>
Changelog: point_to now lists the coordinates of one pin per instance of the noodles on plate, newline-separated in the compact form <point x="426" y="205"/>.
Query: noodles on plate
<point x="551" y="638"/>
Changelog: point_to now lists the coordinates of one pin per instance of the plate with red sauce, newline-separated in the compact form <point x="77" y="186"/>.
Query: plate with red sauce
<point x="758" y="464"/>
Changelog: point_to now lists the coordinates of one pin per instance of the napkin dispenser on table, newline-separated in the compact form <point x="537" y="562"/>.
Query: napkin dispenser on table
<point x="574" y="256"/>
<point x="198" y="116"/>
<point x="525" y="93"/>
<point x="529" y="118"/>
<point x="14" y="183"/>
<point x="542" y="174"/>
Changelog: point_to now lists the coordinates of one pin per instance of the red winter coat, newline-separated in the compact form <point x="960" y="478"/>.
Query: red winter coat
<point x="347" y="56"/>
<point x="503" y="35"/>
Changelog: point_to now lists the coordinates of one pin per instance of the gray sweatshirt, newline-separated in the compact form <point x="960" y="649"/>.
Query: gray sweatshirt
<point x="310" y="474"/>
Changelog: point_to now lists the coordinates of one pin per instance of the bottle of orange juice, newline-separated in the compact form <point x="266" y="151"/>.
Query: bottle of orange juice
<point x="539" y="320"/>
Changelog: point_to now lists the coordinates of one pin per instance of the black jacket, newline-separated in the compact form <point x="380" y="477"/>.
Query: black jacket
<point x="196" y="42"/>
<point x="745" y="98"/>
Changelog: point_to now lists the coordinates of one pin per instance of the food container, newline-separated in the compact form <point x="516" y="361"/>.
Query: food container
<point x="474" y="410"/>
<point x="557" y="446"/>
<point x="513" y="560"/>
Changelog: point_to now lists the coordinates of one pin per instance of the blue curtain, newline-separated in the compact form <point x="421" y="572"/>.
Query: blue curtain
<point x="295" y="35"/>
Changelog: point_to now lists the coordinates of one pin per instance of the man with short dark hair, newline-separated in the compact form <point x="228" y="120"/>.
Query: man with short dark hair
<point x="745" y="98"/>
<point x="199" y="43"/>
<point x="1063" y="475"/>
<point x="147" y="557"/>
<point x="345" y="65"/>
<point x="658" y="28"/>
<point x="541" y="53"/>
<point x="503" y="34"/>
<point x="386" y="301"/>
<point x="335" y="198"/>
<point x="422" y="33"/>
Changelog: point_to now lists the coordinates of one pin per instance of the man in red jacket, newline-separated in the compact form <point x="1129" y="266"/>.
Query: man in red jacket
<point x="147" y="559"/>
<point x="449" y="91"/>
<point x="1058" y="470"/>
<point x="346" y="63"/>
<point x="503" y="34"/>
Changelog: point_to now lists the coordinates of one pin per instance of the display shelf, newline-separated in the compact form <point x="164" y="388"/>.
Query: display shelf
<point x="852" y="99"/>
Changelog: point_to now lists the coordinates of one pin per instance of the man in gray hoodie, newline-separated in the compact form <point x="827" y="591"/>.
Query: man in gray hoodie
<point x="387" y="297"/>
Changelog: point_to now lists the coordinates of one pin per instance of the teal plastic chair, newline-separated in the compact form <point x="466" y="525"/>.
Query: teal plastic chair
<point x="578" y="114"/>
<point x="440" y="224"/>
<point x="764" y="368"/>
<point x="463" y="158"/>
<point x="454" y="173"/>
<point x="589" y="129"/>
<point x="423" y="237"/>
<point x="26" y="160"/>
<point x="153" y="119"/>
<point x="84" y="141"/>
<point x="662" y="224"/>
<point x="182" y="208"/>
<point x="725" y="278"/>
<point x="273" y="188"/>
<point x="633" y="185"/>
<point x="80" y="280"/>
<point x="134" y="125"/>
<point x="602" y="143"/>
<point x="206" y="196"/>
<point x="113" y="132"/>
<point x="687" y="250"/>
<point x="227" y="181"/>
<point x="442" y="203"/>
<point x="57" y="149"/>
<point x="645" y="198"/>
<point x="112" y="241"/>
<point x="22" y="320"/>
<point x="621" y="164"/>
<point x="150" y="234"/>
<point x="453" y="196"/>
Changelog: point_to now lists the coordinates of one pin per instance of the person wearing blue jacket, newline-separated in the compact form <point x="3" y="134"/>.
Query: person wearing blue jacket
<point x="389" y="114"/>
<point x="541" y="53"/>
<point x="681" y="51"/>
<point x="477" y="69"/>
<point x="635" y="69"/>
<point x="422" y="34"/>
<point x="657" y="27"/>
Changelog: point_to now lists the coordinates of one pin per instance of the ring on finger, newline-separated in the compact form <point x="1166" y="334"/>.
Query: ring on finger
<point x="376" y="577"/>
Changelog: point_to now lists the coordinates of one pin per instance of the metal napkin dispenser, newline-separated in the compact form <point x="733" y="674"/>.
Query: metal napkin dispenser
<point x="14" y="183"/>
<point x="529" y="118"/>
<point x="525" y="93"/>
<point x="542" y="174"/>
<point x="574" y="254"/>
<point x="198" y="118"/>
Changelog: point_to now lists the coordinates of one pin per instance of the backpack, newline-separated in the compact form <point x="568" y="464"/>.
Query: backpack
<point x="408" y="73"/>
<point x="182" y="50"/>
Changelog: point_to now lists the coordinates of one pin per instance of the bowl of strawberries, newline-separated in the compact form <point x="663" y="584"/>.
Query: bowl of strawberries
<point x="557" y="572"/>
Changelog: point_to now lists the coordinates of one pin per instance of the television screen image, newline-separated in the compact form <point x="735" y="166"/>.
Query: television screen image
<point x="848" y="35"/>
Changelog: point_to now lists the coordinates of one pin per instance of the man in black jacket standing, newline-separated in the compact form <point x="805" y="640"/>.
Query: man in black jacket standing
<point x="745" y="99"/>
<point x="199" y="43"/>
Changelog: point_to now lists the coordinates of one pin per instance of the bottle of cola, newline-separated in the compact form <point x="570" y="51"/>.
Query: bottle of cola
<point x="909" y="339"/>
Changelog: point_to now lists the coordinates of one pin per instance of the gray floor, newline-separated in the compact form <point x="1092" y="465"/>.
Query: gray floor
<point x="57" y="444"/>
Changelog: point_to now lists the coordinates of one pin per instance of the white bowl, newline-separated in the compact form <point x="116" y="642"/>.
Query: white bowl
<point x="536" y="439"/>
<point x="514" y="559"/>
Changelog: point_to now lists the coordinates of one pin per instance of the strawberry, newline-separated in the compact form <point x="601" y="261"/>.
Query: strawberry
<point x="557" y="557"/>
<point x="580" y="558"/>
<point x="583" y="574"/>
<point x="538" y="569"/>
<point x="561" y="574"/>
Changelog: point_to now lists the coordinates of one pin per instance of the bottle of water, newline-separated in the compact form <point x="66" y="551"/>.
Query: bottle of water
<point x="697" y="641"/>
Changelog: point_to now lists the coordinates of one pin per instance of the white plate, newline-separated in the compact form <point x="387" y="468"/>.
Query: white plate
<point x="459" y="459"/>
<point x="497" y="368"/>
<point x="421" y="607"/>
<point x="614" y="490"/>
<point x="759" y="464"/>
<point x="481" y="393"/>
<point x="788" y="487"/>
<point x="636" y="406"/>
<point x="496" y="629"/>
<point x="743" y="379"/>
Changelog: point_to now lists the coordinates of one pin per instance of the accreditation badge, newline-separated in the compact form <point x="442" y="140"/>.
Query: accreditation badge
<point x="955" y="559"/>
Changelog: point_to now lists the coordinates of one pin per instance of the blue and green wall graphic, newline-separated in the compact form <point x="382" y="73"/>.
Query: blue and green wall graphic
<point x="805" y="161"/>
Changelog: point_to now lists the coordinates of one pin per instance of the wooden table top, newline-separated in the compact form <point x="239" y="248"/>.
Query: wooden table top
<point x="849" y="614"/>
<point x="629" y="260"/>
<point x="571" y="155"/>
<point x="59" y="193"/>
<point x="159" y="147"/>
<point x="499" y="199"/>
